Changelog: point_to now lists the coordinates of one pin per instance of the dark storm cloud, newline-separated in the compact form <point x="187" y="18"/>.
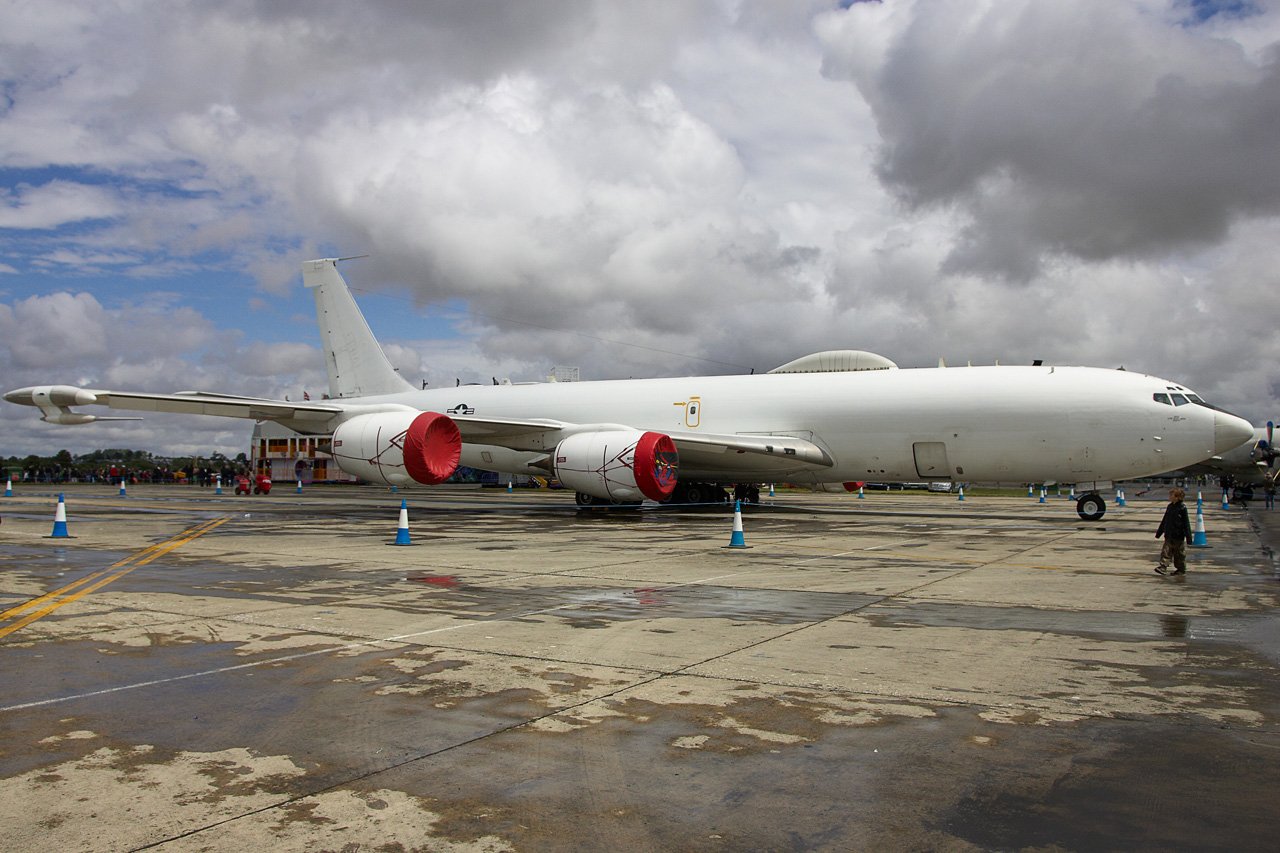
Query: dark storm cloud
<point x="1091" y="129"/>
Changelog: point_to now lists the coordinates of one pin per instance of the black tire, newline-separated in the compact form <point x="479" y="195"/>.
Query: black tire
<point x="695" y="493"/>
<point x="585" y="500"/>
<point x="1091" y="507"/>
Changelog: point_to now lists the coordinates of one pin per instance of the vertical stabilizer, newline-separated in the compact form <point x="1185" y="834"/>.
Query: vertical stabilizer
<point x="356" y="364"/>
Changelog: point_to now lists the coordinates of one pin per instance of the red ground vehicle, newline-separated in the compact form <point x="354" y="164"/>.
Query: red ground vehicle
<point x="261" y="485"/>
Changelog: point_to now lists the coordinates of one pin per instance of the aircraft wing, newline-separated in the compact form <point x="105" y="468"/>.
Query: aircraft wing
<point x="747" y="457"/>
<point x="707" y="455"/>
<point x="54" y="401"/>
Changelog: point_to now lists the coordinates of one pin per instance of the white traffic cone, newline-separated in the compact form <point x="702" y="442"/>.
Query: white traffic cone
<point x="402" y="529"/>
<point x="961" y="492"/>
<point x="122" y="487"/>
<point x="217" y="486"/>
<point x="8" y="488"/>
<point x="60" y="520"/>
<point x="1198" y="538"/>
<point x="1225" y="505"/>
<point x="737" y="540"/>
<point x="1042" y="494"/>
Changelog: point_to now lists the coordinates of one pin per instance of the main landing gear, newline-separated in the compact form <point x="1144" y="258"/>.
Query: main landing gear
<point x="1091" y="507"/>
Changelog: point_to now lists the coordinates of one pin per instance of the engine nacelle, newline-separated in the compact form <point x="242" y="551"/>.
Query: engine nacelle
<point x="618" y="465"/>
<point x="398" y="448"/>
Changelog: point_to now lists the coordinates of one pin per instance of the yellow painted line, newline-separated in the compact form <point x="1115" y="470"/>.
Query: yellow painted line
<point x="74" y="591"/>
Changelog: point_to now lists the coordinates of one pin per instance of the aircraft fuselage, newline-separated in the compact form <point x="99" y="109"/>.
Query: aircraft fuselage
<point x="1027" y="424"/>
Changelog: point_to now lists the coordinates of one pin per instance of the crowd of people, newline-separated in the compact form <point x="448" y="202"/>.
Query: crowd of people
<point x="201" y="476"/>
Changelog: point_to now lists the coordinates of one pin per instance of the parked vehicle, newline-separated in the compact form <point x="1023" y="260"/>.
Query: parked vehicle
<point x="260" y="485"/>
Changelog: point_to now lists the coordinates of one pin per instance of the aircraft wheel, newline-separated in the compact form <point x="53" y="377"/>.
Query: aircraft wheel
<point x="1091" y="507"/>
<point x="695" y="493"/>
<point x="585" y="500"/>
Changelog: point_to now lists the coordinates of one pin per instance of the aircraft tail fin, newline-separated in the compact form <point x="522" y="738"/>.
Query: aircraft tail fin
<point x="355" y="362"/>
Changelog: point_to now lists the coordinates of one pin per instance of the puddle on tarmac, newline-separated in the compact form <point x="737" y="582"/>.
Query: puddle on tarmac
<point x="1259" y="633"/>
<point x="594" y="606"/>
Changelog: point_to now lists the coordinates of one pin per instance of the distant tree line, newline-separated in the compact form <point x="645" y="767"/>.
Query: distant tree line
<point x="117" y="463"/>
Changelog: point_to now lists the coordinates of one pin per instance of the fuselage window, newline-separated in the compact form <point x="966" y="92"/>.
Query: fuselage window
<point x="1161" y="398"/>
<point x="1179" y="400"/>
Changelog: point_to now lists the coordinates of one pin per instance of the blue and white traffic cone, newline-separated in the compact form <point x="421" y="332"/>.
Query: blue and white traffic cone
<point x="771" y="490"/>
<point x="860" y="494"/>
<point x="1198" y="538"/>
<point x="1042" y="494"/>
<point x="961" y="497"/>
<point x="122" y="487"/>
<point x="402" y="529"/>
<point x="1225" y="505"/>
<point x="60" y="520"/>
<point x="737" y="540"/>
<point x="217" y="486"/>
<point x="299" y="487"/>
<point x="1072" y="496"/>
<point x="8" y="488"/>
<point x="508" y="485"/>
<point x="1119" y="495"/>
<point x="1030" y="491"/>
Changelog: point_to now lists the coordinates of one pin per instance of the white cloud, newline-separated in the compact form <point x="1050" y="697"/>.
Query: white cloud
<point x="56" y="203"/>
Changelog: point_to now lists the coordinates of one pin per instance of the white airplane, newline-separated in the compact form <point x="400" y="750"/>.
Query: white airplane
<point x="829" y="417"/>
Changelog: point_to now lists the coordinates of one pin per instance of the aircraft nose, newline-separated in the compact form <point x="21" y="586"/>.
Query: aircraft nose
<point x="1229" y="432"/>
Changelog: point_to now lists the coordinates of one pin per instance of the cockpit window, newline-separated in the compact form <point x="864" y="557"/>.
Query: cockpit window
<point x="1179" y="400"/>
<point x="1161" y="398"/>
<point x="1195" y="399"/>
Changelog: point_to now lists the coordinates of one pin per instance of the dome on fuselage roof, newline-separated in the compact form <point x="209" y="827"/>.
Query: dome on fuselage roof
<point x="837" y="361"/>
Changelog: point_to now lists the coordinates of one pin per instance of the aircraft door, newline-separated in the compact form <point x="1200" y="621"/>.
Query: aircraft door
<point x="931" y="459"/>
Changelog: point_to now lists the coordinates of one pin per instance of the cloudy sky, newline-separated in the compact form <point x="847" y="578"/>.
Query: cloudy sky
<point x="636" y="189"/>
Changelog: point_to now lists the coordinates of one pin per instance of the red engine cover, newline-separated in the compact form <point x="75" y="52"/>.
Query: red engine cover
<point x="656" y="466"/>
<point x="432" y="447"/>
<point x="398" y="448"/>
<point x="619" y="465"/>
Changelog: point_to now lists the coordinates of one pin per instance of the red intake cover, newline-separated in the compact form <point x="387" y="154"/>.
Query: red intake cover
<point x="656" y="465"/>
<point x="432" y="447"/>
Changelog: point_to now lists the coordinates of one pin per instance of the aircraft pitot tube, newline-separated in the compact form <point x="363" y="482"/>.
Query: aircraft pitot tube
<point x="619" y="465"/>
<point x="398" y="448"/>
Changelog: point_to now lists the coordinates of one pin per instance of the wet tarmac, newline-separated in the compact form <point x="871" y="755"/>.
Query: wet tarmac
<point x="899" y="672"/>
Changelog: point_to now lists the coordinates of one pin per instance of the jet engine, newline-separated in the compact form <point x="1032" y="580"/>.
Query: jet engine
<point x="618" y="465"/>
<point x="398" y="448"/>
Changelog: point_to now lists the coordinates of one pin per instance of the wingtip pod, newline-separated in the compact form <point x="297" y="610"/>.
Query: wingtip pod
<point x="54" y="401"/>
<point x="52" y="396"/>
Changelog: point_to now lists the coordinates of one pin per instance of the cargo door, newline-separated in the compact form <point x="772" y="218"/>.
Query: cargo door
<point x="931" y="460"/>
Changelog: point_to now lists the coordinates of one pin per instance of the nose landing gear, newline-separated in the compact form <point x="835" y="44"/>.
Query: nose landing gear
<point x="1091" y="507"/>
